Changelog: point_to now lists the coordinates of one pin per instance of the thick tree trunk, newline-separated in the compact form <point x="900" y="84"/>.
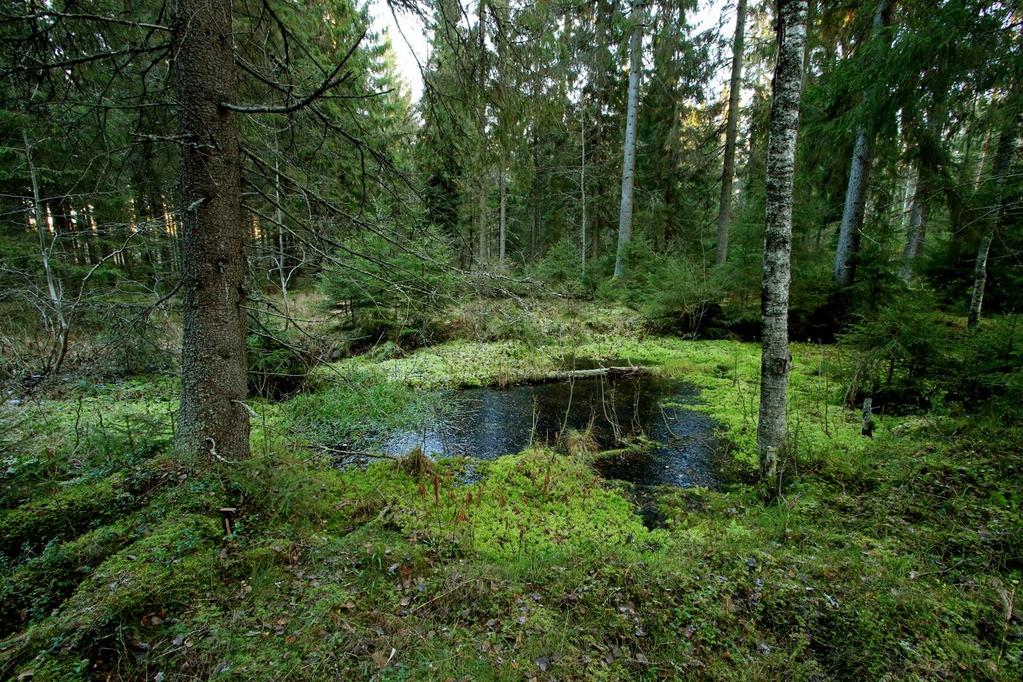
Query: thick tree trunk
<point x="213" y="420"/>
<point x="859" y="178"/>
<point x="781" y="160"/>
<point x="1003" y="161"/>
<point x="731" y="130"/>
<point x="917" y="228"/>
<point x="852" y="215"/>
<point x="629" y="155"/>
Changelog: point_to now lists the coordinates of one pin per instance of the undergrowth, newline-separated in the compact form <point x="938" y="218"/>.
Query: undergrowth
<point x="892" y="558"/>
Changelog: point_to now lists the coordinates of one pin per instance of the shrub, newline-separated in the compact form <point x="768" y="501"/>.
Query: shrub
<point x="276" y="369"/>
<point x="671" y="291"/>
<point x="561" y="269"/>
<point x="394" y="294"/>
<point x="897" y="352"/>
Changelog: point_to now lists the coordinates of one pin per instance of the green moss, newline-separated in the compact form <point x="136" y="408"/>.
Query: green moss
<point x="537" y="506"/>
<point x="172" y="566"/>
<point x="99" y="431"/>
<point x="69" y="511"/>
<point x="79" y="507"/>
<point x="886" y="558"/>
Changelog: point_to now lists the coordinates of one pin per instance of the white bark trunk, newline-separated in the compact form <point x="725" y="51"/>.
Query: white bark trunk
<point x="979" y="279"/>
<point x="731" y="130"/>
<point x="859" y="177"/>
<point x="781" y="160"/>
<point x="629" y="155"/>
<point x="282" y="274"/>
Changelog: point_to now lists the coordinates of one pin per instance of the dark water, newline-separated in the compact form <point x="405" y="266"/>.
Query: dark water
<point x="490" y="422"/>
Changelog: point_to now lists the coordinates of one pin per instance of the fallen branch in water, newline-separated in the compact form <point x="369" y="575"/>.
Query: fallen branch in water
<point x="591" y="373"/>
<point x="356" y="453"/>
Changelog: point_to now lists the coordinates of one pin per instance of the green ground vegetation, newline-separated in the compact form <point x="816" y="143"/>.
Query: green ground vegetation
<point x="896" y="557"/>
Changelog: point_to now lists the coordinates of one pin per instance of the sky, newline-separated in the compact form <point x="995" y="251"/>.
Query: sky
<point x="410" y="43"/>
<point x="410" y="40"/>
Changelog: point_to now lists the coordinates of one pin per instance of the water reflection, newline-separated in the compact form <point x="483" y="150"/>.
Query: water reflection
<point x="491" y="422"/>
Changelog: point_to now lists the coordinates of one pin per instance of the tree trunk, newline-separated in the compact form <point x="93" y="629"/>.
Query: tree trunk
<point x="1003" y="160"/>
<point x="781" y="159"/>
<point x="731" y="129"/>
<point x="859" y="177"/>
<point x="282" y="273"/>
<point x="978" y="172"/>
<point x="629" y="155"/>
<point x="484" y="244"/>
<point x="504" y="215"/>
<point x="582" y="189"/>
<point x="61" y="325"/>
<point x="917" y="228"/>
<point x="213" y="420"/>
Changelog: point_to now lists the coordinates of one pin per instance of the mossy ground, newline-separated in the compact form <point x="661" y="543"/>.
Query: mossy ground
<point x="897" y="557"/>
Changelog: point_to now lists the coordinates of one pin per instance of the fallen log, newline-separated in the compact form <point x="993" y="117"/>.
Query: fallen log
<point x="356" y="453"/>
<point x="568" y="375"/>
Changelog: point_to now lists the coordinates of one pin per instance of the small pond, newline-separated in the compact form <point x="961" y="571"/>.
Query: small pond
<point x="490" y="422"/>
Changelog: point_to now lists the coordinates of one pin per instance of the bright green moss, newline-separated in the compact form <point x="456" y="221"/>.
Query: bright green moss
<point x="537" y="506"/>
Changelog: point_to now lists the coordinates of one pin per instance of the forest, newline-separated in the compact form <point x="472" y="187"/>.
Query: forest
<point x="506" y="340"/>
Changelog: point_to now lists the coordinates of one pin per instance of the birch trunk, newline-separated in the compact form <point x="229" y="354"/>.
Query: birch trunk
<point x="731" y="129"/>
<point x="213" y="420"/>
<point x="978" y="172"/>
<point x="859" y="177"/>
<point x="1003" y="160"/>
<point x="781" y="159"/>
<point x="629" y="154"/>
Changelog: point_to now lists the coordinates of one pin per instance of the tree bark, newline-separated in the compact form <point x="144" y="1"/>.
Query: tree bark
<point x="629" y="153"/>
<point x="859" y="178"/>
<point x="283" y="277"/>
<point x="484" y="244"/>
<point x="213" y="420"/>
<point x="504" y="215"/>
<point x="917" y="228"/>
<point x="781" y="160"/>
<point x="731" y="130"/>
<point x="61" y="325"/>
<point x="1003" y="160"/>
<point x="582" y="188"/>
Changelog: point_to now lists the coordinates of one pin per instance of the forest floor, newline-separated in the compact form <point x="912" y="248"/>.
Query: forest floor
<point x="896" y="557"/>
